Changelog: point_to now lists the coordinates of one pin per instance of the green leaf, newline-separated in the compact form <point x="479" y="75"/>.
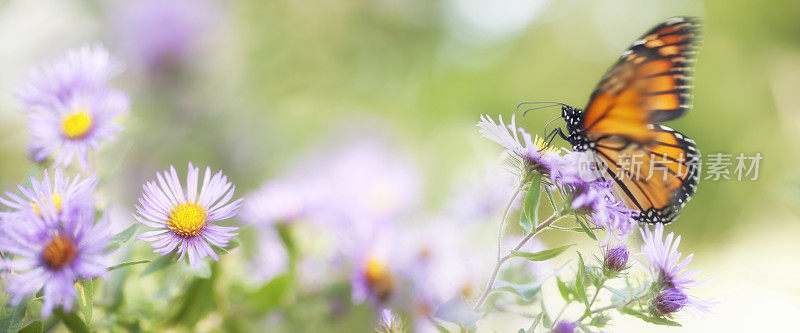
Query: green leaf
<point x="160" y="263"/>
<point x="458" y="311"/>
<point x="563" y="290"/>
<point x="653" y="320"/>
<point x="663" y="321"/>
<point x="585" y="229"/>
<point x="530" y="207"/>
<point x="122" y="237"/>
<point x="71" y="320"/>
<point x="524" y="290"/>
<point x="580" y="282"/>
<point x="272" y="294"/>
<point x="127" y="263"/>
<point x="85" y="298"/>
<point x="197" y="300"/>
<point x="542" y="255"/>
<point x="536" y="321"/>
<point x="11" y="317"/>
<point x="34" y="327"/>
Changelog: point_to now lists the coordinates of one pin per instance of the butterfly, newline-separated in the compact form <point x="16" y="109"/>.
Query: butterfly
<point x="653" y="167"/>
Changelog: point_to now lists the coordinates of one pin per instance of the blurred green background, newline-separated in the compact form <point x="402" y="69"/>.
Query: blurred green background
<point x="272" y="79"/>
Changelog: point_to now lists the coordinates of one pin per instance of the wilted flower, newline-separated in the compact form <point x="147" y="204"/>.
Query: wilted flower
<point x="670" y="271"/>
<point x="529" y="153"/>
<point x="54" y="245"/>
<point x="615" y="260"/>
<point x="71" y="106"/>
<point x="389" y="322"/>
<point x="184" y="222"/>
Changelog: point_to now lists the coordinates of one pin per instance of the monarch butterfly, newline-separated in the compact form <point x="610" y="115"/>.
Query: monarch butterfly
<point x="648" y="85"/>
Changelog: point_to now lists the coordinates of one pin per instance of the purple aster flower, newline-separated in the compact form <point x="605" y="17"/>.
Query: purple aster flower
<point x="615" y="260"/>
<point x="45" y="193"/>
<point x="185" y="222"/>
<point x="565" y="327"/>
<point x="669" y="270"/>
<point x="160" y="33"/>
<point x="593" y="197"/>
<point x="71" y="106"/>
<point x="54" y="245"/>
<point x="528" y="152"/>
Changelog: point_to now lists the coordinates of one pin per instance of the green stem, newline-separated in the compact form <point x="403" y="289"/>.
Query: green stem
<point x="594" y="298"/>
<point x="502" y="260"/>
<point x="504" y="222"/>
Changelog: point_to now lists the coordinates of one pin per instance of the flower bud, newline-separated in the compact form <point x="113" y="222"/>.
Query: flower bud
<point x="668" y="301"/>
<point x="615" y="260"/>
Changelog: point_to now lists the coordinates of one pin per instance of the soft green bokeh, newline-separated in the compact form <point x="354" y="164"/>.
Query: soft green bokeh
<point x="276" y="79"/>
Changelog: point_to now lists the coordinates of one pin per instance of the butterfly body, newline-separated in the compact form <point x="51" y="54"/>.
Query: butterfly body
<point x="648" y="85"/>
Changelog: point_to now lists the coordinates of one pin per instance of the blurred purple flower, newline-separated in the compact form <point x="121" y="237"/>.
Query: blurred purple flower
<point x="482" y="197"/>
<point x="184" y="223"/>
<point x="530" y="154"/>
<point x="276" y="202"/>
<point x="271" y="258"/>
<point x="669" y="270"/>
<point x="161" y="33"/>
<point x="364" y="186"/>
<point x="47" y="193"/>
<point x="374" y="277"/>
<point x="565" y="327"/>
<point x="54" y="245"/>
<point x="71" y="106"/>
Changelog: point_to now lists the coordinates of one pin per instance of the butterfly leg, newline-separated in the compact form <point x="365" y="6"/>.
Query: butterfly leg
<point x="552" y="135"/>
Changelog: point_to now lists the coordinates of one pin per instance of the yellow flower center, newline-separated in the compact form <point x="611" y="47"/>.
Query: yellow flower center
<point x="59" y="252"/>
<point x="379" y="279"/>
<point x="76" y="125"/>
<point x="187" y="219"/>
<point x="539" y="142"/>
<point x="56" y="202"/>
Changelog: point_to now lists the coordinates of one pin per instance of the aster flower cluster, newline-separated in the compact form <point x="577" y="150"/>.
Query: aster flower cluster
<point x="574" y="178"/>
<point x="52" y="244"/>
<point x="53" y="238"/>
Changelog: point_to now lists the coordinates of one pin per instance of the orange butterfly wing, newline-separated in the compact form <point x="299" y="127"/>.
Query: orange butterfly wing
<point x="658" y="178"/>
<point x="649" y="84"/>
<point x="653" y="166"/>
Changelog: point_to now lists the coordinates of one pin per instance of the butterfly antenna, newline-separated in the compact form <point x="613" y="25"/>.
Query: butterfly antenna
<point x="540" y="107"/>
